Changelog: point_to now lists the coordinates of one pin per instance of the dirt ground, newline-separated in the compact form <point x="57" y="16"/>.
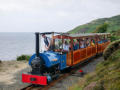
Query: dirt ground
<point x="10" y="74"/>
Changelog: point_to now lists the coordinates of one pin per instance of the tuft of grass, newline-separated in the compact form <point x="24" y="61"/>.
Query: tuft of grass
<point x="23" y="57"/>
<point x="16" y="66"/>
<point x="78" y="86"/>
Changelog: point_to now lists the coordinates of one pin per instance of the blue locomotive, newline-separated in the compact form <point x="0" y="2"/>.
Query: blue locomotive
<point x="45" y="66"/>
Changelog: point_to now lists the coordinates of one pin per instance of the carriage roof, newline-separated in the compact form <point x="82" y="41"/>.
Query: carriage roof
<point x="87" y="34"/>
<point x="70" y="36"/>
<point x="80" y="35"/>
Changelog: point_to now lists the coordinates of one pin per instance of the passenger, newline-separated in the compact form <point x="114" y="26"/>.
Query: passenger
<point x="66" y="46"/>
<point x="76" y="45"/>
<point x="82" y="44"/>
<point x="87" y="42"/>
<point x="92" y="42"/>
<point x="47" y="42"/>
<point x="70" y="46"/>
<point x="105" y="40"/>
<point x="99" y="41"/>
<point x="57" y="46"/>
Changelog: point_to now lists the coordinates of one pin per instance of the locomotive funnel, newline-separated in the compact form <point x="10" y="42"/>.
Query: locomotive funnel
<point x="37" y="44"/>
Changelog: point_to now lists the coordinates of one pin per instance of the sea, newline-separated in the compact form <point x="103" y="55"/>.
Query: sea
<point x="13" y="44"/>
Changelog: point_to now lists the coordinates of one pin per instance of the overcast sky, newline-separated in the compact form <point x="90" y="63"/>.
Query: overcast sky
<point x="52" y="15"/>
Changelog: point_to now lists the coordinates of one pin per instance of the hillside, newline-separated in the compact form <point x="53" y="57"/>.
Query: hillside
<point x="113" y="25"/>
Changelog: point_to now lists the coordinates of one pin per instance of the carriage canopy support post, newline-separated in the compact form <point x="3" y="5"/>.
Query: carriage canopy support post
<point x="37" y="44"/>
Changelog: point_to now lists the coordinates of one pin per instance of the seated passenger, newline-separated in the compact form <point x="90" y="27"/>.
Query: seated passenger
<point x="66" y="46"/>
<point x="82" y="44"/>
<point x="92" y="42"/>
<point x="76" y="45"/>
<point x="99" y="41"/>
<point x="87" y="42"/>
<point x="105" y="40"/>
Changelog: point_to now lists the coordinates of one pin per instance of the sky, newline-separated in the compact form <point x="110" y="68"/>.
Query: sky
<point x="52" y="15"/>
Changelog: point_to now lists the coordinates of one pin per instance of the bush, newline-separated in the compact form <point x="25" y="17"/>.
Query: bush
<point x="23" y="57"/>
<point x="111" y="48"/>
<point x="114" y="37"/>
<point x="102" y="28"/>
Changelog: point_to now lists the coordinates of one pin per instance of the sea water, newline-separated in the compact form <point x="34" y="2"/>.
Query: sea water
<point x="14" y="44"/>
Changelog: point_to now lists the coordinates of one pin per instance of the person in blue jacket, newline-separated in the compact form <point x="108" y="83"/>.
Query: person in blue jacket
<point x="76" y="45"/>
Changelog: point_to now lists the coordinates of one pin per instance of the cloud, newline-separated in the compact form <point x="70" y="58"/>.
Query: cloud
<point x="62" y="14"/>
<point x="52" y="15"/>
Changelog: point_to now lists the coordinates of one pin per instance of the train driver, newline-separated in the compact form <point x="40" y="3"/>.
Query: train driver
<point x="47" y="42"/>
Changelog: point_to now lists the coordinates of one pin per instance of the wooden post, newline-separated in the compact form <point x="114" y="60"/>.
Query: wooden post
<point x="53" y="41"/>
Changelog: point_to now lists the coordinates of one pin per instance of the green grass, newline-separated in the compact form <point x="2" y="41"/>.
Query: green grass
<point x="107" y="73"/>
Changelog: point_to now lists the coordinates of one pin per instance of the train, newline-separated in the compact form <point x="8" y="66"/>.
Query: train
<point x="48" y="64"/>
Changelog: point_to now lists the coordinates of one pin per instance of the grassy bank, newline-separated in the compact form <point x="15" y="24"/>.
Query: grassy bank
<point x="23" y="57"/>
<point x="105" y="77"/>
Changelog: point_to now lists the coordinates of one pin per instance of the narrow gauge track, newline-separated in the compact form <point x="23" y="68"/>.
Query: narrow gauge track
<point x="62" y="76"/>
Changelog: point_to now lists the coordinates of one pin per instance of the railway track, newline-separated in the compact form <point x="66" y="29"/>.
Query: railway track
<point x="61" y="77"/>
<point x="31" y="87"/>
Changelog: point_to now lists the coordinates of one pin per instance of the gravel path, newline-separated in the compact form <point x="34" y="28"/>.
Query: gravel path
<point x="70" y="80"/>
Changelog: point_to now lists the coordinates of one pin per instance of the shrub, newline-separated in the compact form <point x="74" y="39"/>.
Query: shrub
<point x="114" y="37"/>
<point x="111" y="48"/>
<point x="102" y="28"/>
<point x="23" y="57"/>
